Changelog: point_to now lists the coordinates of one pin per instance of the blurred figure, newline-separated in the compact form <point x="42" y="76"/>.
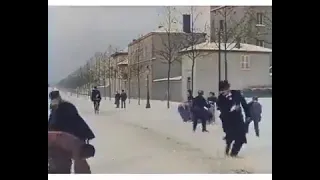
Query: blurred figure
<point x="229" y="103"/>
<point x="212" y="100"/>
<point x="64" y="117"/>
<point x="199" y="112"/>
<point x="255" y="109"/>
<point x="189" y="95"/>
<point x="123" y="97"/>
<point x="117" y="97"/>
<point x="96" y="98"/>
<point x="64" y="145"/>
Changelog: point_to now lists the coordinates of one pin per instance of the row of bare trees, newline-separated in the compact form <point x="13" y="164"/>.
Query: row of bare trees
<point x="232" y="28"/>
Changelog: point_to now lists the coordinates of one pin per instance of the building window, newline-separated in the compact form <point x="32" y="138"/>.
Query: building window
<point x="221" y="24"/>
<point x="259" y="18"/>
<point x="260" y="43"/>
<point x="245" y="62"/>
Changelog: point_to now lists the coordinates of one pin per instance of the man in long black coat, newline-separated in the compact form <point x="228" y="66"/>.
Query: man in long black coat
<point x="199" y="104"/>
<point x="65" y="117"/>
<point x="229" y="103"/>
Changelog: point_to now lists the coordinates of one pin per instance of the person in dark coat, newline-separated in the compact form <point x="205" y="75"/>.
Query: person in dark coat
<point x="64" y="117"/>
<point x="199" y="104"/>
<point x="255" y="109"/>
<point x="189" y="95"/>
<point x="123" y="97"/>
<point x="96" y="99"/>
<point x="229" y="103"/>
<point x="117" y="97"/>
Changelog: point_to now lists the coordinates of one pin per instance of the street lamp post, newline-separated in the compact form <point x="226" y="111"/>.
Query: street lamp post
<point x="148" y="89"/>
<point x="148" y="82"/>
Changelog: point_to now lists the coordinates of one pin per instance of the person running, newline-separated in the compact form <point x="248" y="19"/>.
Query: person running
<point x="64" y="117"/>
<point x="96" y="98"/>
<point x="229" y="103"/>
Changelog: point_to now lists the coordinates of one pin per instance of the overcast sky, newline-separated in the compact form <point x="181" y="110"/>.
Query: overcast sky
<point x="76" y="33"/>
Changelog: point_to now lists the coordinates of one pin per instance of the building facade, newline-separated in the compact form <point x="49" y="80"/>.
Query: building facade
<point x="252" y="24"/>
<point x="148" y="56"/>
<point x="248" y="66"/>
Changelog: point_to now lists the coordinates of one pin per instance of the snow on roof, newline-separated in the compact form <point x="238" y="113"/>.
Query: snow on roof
<point x="162" y="29"/>
<point x="124" y="50"/>
<point x="177" y="78"/>
<point x="124" y="62"/>
<point x="213" y="46"/>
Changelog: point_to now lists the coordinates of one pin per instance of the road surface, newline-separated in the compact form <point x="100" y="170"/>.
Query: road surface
<point x="139" y="140"/>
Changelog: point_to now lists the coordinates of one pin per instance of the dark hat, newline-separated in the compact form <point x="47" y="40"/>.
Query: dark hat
<point x="54" y="95"/>
<point x="224" y="85"/>
<point x="255" y="98"/>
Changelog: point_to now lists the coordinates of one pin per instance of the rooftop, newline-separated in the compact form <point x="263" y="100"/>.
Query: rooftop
<point x="213" y="46"/>
<point x="124" y="62"/>
<point x="124" y="51"/>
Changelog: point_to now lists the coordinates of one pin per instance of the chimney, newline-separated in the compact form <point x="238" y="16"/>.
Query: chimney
<point x="186" y="23"/>
<point x="238" y="42"/>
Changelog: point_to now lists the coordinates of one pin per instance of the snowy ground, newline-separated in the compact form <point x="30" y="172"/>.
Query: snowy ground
<point x="139" y="140"/>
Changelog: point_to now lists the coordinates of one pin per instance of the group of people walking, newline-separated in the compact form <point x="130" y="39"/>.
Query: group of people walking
<point x="96" y="99"/>
<point x="231" y="104"/>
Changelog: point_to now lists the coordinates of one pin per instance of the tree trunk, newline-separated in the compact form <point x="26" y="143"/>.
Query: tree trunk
<point x="138" y="84"/>
<point x="104" y="88"/>
<point x="168" y="85"/>
<point x="192" y="74"/>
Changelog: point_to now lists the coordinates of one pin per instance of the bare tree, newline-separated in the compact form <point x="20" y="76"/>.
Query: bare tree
<point x="135" y="67"/>
<point x="104" y="73"/>
<point x="259" y="24"/>
<point x="232" y="28"/>
<point x="192" y="39"/>
<point x="98" y="58"/>
<point x="171" y="44"/>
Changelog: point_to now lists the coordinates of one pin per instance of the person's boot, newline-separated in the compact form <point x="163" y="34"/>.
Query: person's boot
<point x="257" y="134"/>
<point x="235" y="149"/>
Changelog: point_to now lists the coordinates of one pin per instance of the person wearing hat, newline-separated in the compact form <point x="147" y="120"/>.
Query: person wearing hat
<point x="255" y="109"/>
<point x="199" y="104"/>
<point x="229" y="103"/>
<point x="64" y="117"/>
<point x="96" y="99"/>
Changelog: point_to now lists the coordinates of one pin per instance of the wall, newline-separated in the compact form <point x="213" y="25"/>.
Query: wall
<point x="160" y="91"/>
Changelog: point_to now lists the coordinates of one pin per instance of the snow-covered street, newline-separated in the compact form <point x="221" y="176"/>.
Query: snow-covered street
<point x="139" y="140"/>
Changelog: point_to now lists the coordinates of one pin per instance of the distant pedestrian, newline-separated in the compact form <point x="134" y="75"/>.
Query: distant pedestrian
<point x="123" y="97"/>
<point x="255" y="109"/>
<point x="212" y="100"/>
<point x="117" y="99"/>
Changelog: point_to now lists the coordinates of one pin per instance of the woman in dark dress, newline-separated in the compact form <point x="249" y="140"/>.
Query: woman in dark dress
<point x="229" y="103"/>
